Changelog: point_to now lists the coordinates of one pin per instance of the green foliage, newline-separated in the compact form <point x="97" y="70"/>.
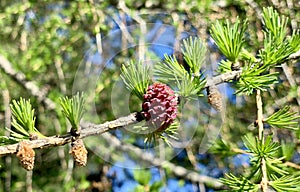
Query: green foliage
<point x="136" y="77"/>
<point x="23" y="120"/>
<point x="23" y="116"/>
<point x="224" y="66"/>
<point x="222" y="148"/>
<point x="194" y="51"/>
<point x="267" y="150"/>
<point x="277" y="47"/>
<point x="289" y="183"/>
<point x="156" y="186"/>
<point x="294" y="41"/>
<point x="273" y="55"/>
<point x="284" y="119"/>
<point x="248" y="57"/>
<point x="275" y="25"/>
<point x="170" y="132"/>
<point x="73" y="108"/>
<point x="277" y="173"/>
<point x="229" y="38"/>
<point x="5" y="140"/>
<point x="190" y="86"/>
<point x="169" y="70"/>
<point x="253" y="77"/>
<point x="239" y="183"/>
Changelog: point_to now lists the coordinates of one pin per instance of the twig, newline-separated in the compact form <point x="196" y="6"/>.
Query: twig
<point x="97" y="15"/>
<point x="259" y="115"/>
<point x="225" y="77"/>
<point x="264" y="179"/>
<point x="69" y="171"/>
<point x="60" y="152"/>
<point x="88" y="129"/>
<point x="191" y="156"/>
<point x="292" y="15"/>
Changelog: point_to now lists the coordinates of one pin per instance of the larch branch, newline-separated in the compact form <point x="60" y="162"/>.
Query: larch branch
<point x="259" y="104"/>
<point x="88" y="129"/>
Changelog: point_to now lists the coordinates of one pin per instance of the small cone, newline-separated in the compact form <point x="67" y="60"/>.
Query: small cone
<point x="26" y="155"/>
<point x="214" y="98"/>
<point x="79" y="152"/>
<point x="159" y="106"/>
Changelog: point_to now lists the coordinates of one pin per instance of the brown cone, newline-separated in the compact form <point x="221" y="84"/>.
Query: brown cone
<point x="79" y="152"/>
<point x="26" y="155"/>
<point x="214" y="97"/>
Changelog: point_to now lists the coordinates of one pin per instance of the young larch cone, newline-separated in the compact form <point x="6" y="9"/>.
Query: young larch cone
<point x="26" y="155"/>
<point x="214" y="98"/>
<point x="159" y="106"/>
<point x="79" y="152"/>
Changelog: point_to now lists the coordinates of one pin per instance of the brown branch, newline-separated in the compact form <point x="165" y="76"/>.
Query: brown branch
<point x="259" y="104"/>
<point x="225" y="77"/>
<point x="88" y="129"/>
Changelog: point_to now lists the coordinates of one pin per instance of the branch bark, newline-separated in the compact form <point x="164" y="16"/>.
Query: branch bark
<point x="259" y="104"/>
<point x="88" y="129"/>
<point x="225" y="77"/>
